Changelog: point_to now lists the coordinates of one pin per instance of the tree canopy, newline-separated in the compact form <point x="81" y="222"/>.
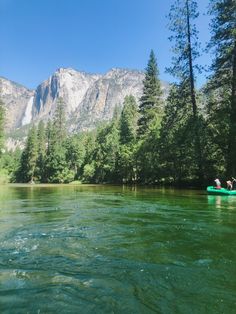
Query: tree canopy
<point x="187" y="138"/>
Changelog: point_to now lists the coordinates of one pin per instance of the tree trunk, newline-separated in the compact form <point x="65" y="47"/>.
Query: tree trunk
<point x="198" y="150"/>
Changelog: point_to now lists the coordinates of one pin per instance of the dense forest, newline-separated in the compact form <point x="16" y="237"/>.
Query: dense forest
<point x="187" y="139"/>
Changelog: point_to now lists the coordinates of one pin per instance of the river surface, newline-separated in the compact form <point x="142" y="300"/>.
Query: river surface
<point x="100" y="249"/>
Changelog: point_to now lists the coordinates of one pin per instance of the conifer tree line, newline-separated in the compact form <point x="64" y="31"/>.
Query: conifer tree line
<point x="2" y="111"/>
<point x="189" y="138"/>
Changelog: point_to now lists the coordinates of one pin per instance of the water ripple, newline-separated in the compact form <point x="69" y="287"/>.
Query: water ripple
<point x="116" y="250"/>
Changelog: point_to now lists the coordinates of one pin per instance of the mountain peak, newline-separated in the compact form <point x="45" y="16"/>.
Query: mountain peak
<point x="88" y="98"/>
<point x="4" y="82"/>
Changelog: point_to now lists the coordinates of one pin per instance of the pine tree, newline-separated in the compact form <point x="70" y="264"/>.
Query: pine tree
<point x="217" y="120"/>
<point x="185" y="48"/>
<point x="128" y="130"/>
<point x="106" y="152"/>
<point x="87" y="170"/>
<point x="223" y="43"/>
<point x="59" y="122"/>
<point x="26" y="172"/>
<point x="128" y="120"/>
<point x="176" y="159"/>
<point x="75" y="153"/>
<point x="151" y="101"/>
<point x="40" y="165"/>
<point x="56" y="167"/>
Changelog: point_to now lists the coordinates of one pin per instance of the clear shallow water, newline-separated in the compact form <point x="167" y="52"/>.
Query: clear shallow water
<point x="70" y="249"/>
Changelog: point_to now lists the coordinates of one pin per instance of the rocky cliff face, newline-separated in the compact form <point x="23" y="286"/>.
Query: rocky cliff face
<point x="88" y="98"/>
<point x="105" y="94"/>
<point x="18" y="101"/>
<point x="68" y="84"/>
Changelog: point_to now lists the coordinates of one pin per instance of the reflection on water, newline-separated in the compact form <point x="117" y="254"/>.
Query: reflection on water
<point x="222" y="201"/>
<point x="100" y="249"/>
<point x="216" y="200"/>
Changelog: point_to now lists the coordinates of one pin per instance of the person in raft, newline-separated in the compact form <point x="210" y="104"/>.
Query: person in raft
<point x="218" y="184"/>
<point x="229" y="185"/>
<point x="233" y="183"/>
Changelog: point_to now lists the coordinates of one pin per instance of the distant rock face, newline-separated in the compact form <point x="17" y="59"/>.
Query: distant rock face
<point x="88" y="98"/>
<point x="105" y="94"/>
<point x="18" y="101"/>
<point x="68" y="84"/>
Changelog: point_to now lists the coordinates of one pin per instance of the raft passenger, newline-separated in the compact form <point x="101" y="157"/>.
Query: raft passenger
<point x="233" y="183"/>
<point x="229" y="185"/>
<point x="218" y="184"/>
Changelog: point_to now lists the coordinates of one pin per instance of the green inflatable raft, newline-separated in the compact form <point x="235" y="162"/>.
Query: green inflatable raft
<point x="222" y="191"/>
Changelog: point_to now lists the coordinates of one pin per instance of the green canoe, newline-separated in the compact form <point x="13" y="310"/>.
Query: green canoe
<point x="222" y="191"/>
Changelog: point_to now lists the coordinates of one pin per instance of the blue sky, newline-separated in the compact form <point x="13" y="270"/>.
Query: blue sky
<point x="39" y="36"/>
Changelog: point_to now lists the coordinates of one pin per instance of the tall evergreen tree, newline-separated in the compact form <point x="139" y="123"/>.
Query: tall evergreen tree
<point x="185" y="48"/>
<point x="223" y="43"/>
<point x="75" y="153"/>
<point x="49" y="135"/>
<point x="59" y="122"/>
<point x="40" y="165"/>
<point x="177" y="160"/>
<point x="87" y="170"/>
<point x="26" y="172"/>
<point x="56" y="167"/>
<point x="128" y="120"/>
<point x="150" y="107"/>
<point x="106" y="152"/>
<point x="127" y="164"/>
<point x="217" y="121"/>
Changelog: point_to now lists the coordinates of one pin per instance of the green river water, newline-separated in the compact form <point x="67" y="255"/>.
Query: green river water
<point x="100" y="249"/>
